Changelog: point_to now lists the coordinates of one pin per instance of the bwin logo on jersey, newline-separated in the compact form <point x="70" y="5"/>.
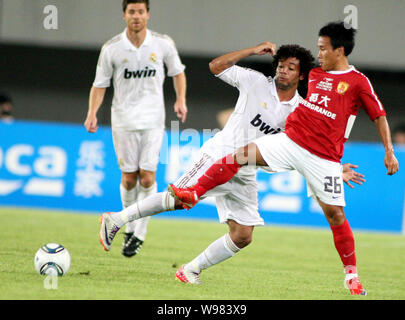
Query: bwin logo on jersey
<point x="146" y="73"/>
<point x="263" y="126"/>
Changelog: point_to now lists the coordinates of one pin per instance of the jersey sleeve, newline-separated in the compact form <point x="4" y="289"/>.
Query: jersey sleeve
<point x="369" y="100"/>
<point x="172" y="59"/>
<point x="311" y="78"/>
<point x="104" y="70"/>
<point x="239" y="77"/>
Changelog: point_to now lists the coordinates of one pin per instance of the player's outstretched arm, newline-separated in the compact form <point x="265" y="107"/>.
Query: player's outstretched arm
<point x="390" y="161"/>
<point x="228" y="60"/>
<point x="350" y="175"/>
<point x="95" y="100"/>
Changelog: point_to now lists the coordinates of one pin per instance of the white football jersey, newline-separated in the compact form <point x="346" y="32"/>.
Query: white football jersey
<point x="258" y="112"/>
<point x="138" y="75"/>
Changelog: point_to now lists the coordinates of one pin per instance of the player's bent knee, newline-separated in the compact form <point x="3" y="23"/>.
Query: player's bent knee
<point x="129" y="180"/>
<point x="147" y="182"/>
<point x="242" y="238"/>
<point x="336" y="217"/>
<point x="243" y="241"/>
<point x="146" y="178"/>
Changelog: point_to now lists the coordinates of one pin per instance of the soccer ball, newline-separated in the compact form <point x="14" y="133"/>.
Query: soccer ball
<point x="52" y="259"/>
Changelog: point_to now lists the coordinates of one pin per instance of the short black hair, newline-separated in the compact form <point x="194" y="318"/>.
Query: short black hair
<point x="340" y="35"/>
<point x="307" y="60"/>
<point x="125" y="3"/>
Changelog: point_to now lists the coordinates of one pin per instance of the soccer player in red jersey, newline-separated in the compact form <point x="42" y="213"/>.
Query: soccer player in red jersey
<point x="313" y="141"/>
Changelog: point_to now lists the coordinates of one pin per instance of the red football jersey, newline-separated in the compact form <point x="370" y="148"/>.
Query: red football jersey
<point x="322" y="122"/>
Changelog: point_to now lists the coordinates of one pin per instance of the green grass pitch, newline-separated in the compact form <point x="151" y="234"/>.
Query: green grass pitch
<point x="281" y="263"/>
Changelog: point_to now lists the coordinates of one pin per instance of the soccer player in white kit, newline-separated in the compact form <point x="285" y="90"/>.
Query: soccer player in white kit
<point x="135" y="61"/>
<point x="262" y="108"/>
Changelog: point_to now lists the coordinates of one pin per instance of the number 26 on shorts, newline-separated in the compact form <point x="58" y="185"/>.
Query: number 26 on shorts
<point x="332" y="185"/>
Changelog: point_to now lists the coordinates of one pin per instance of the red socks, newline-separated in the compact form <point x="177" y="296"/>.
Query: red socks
<point x="219" y="173"/>
<point x="344" y="243"/>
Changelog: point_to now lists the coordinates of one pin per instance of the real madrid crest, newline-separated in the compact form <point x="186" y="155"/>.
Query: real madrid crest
<point x="342" y="87"/>
<point x="153" y="57"/>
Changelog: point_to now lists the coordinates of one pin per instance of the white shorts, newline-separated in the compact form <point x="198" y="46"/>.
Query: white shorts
<point x="138" y="149"/>
<point x="235" y="200"/>
<point x="324" y="178"/>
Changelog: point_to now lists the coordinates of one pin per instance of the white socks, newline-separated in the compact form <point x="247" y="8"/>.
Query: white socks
<point x="154" y="204"/>
<point x="218" y="251"/>
<point x="139" y="227"/>
<point x="150" y="205"/>
<point x="128" y="197"/>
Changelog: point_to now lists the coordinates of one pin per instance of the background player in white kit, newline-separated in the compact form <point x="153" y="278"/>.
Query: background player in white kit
<point x="135" y="61"/>
<point x="262" y="108"/>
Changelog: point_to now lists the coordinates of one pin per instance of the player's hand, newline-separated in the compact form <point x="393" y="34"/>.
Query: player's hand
<point x="350" y="175"/>
<point x="391" y="162"/>
<point x="180" y="108"/>
<point x="265" y="48"/>
<point x="91" y="124"/>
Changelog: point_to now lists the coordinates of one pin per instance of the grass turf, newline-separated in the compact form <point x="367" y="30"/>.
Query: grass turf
<point x="281" y="263"/>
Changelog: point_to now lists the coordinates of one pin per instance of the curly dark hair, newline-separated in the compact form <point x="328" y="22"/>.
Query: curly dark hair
<point x="340" y="35"/>
<point x="125" y="3"/>
<point x="307" y="61"/>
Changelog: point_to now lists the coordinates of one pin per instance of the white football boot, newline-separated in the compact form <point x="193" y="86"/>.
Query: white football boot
<point x="187" y="276"/>
<point x="108" y="230"/>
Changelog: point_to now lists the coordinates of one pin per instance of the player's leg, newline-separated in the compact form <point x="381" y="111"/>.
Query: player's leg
<point x="225" y="247"/>
<point x="127" y="146"/>
<point x="151" y="205"/>
<point x="149" y="144"/>
<point x="128" y="193"/>
<point x="146" y="187"/>
<point x="109" y="226"/>
<point x="219" y="173"/>
<point x="237" y="206"/>
<point x="164" y="201"/>
<point x="325" y="183"/>
<point x="266" y="151"/>
<point x="344" y="244"/>
<point x="342" y="233"/>
<point x="224" y="169"/>
<point x="111" y="222"/>
<point x="240" y="235"/>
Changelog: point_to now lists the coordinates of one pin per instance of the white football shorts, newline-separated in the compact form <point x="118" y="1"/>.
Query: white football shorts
<point x="138" y="149"/>
<point x="235" y="200"/>
<point x="324" y="178"/>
